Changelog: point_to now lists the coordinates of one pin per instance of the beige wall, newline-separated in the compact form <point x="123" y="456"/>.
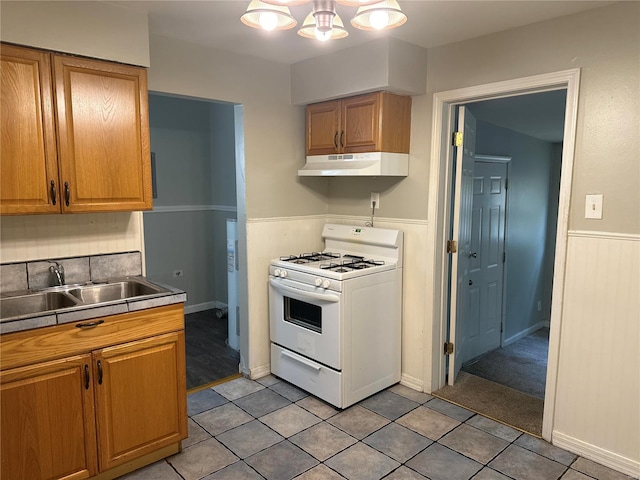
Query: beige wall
<point x="605" y="44"/>
<point x="84" y="28"/>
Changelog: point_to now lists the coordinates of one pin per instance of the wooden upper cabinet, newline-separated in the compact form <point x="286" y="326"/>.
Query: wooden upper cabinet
<point x="75" y="134"/>
<point x="48" y="426"/>
<point x="103" y="135"/>
<point x="323" y="128"/>
<point x="375" y="122"/>
<point x="28" y="158"/>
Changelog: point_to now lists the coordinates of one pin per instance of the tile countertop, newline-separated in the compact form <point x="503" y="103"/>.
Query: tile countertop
<point x="85" y="312"/>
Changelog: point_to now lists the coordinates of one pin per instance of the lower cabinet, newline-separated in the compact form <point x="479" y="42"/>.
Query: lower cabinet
<point x="48" y="422"/>
<point x="139" y="398"/>
<point x="80" y="416"/>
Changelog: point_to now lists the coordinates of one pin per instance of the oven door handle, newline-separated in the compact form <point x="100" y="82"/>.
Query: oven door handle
<point x="310" y="295"/>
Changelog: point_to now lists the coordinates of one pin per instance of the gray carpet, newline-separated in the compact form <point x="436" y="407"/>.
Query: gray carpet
<point x="495" y="401"/>
<point x="521" y="365"/>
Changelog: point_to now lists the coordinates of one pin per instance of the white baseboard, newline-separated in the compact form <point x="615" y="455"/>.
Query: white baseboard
<point x="201" y="307"/>
<point x="522" y="334"/>
<point x="412" y="382"/>
<point x="259" y="372"/>
<point x="604" y="457"/>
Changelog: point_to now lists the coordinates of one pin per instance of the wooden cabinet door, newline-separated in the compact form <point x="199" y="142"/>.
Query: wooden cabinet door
<point x="103" y="135"/>
<point x="323" y="128"/>
<point x="140" y="397"/>
<point x="360" y="121"/>
<point x="28" y="170"/>
<point x="48" y="424"/>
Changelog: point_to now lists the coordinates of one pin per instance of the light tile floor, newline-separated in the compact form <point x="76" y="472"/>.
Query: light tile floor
<point x="269" y="429"/>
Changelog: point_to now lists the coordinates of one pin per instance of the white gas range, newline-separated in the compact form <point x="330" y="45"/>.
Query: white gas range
<point x="335" y="316"/>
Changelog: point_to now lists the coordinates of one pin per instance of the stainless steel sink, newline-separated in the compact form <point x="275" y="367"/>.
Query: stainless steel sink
<point x="35" y="303"/>
<point x="109" y="292"/>
<point x="19" y="304"/>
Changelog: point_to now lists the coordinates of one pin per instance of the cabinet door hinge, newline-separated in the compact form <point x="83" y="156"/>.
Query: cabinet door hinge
<point x="452" y="246"/>
<point x="448" y="348"/>
<point x="457" y="139"/>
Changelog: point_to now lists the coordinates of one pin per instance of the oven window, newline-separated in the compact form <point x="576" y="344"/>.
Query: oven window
<point x="303" y="314"/>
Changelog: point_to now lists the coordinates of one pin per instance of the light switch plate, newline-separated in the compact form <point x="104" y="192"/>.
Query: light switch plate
<point x="593" y="207"/>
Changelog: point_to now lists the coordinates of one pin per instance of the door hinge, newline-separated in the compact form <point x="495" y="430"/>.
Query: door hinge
<point x="457" y="139"/>
<point x="448" y="348"/>
<point x="452" y="246"/>
<point x="504" y="257"/>
<point x="506" y="184"/>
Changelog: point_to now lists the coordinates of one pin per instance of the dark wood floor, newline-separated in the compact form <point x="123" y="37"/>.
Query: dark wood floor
<point x="208" y="356"/>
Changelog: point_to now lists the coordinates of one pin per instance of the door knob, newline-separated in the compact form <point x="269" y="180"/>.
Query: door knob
<point x="473" y="255"/>
<point x="470" y="282"/>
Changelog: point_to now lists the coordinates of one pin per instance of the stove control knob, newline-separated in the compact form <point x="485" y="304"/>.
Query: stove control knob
<point x="277" y="272"/>
<point x="318" y="282"/>
<point x="283" y="274"/>
<point x="326" y="284"/>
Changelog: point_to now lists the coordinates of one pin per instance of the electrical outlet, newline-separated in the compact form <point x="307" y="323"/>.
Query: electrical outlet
<point x="178" y="273"/>
<point x="375" y="197"/>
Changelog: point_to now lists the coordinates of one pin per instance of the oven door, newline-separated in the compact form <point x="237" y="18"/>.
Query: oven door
<point x="306" y="320"/>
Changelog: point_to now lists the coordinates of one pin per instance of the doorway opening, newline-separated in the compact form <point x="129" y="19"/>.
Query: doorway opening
<point x="192" y="234"/>
<point x="441" y="212"/>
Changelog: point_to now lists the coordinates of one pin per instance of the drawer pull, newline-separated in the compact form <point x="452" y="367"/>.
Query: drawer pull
<point x="89" y="324"/>
<point x="99" y="372"/>
<point x="53" y="192"/>
<point x="67" y="193"/>
<point x="86" y="376"/>
<point x="304" y="362"/>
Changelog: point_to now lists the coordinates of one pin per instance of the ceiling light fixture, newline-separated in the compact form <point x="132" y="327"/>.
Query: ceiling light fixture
<point x="323" y="23"/>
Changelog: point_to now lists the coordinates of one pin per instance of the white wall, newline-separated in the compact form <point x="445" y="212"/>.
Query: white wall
<point x="92" y="29"/>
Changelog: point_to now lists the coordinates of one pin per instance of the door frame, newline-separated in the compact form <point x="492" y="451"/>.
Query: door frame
<point x="507" y="161"/>
<point x="439" y="219"/>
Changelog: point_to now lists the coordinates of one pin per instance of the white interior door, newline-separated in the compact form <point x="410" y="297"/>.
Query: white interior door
<point x="484" y="319"/>
<point x="462" y="209"/>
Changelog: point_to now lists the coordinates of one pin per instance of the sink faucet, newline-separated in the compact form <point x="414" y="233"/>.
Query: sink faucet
<point x="58" y="272"/>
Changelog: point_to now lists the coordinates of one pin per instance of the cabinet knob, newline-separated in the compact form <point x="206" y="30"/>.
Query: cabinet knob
<point x="67" y="193"/>
<point x="53" y="192"/>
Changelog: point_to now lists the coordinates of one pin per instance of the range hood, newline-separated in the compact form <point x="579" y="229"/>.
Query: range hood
<point x="371" y="164"/>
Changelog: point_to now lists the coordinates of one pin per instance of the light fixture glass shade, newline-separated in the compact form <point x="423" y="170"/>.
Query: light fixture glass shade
<point x="308" y="29"/>
<point x="287" y="3"/>
<point x="383" y="15"/>
<point x="268" y="17"/>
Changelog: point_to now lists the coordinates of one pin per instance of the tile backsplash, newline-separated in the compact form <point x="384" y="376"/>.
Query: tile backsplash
<point x="36" y="274"/>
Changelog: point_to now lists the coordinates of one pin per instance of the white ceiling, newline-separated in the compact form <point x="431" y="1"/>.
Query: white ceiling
<point x="431" y="23"/>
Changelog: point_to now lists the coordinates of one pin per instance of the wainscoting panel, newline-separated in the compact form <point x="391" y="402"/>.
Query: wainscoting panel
<point x="598" y="385"/>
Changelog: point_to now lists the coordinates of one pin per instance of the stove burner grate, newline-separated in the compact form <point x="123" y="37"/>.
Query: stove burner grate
<point x="310" y="257"/>
<point x="356" y="263"/>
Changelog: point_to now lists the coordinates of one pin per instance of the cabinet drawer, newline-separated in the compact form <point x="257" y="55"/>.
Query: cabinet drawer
<point x="313" y="377"/>
<point x="32" y="346"/>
